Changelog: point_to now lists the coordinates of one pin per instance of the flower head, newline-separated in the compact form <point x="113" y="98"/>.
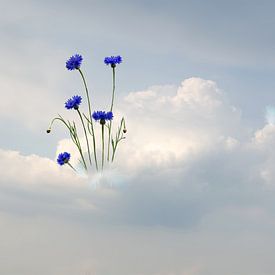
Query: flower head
<point x="109" y="116"/>
<point x="113" y="60"/>
<point x="63" y="158"/>
<point x="73" y="102"/>
<point x="102" y="116"/>
<point x="74" y="62"/>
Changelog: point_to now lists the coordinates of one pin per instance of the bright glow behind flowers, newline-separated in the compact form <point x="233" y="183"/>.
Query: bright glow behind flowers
<point x="73" y="102"/>
<point x="74" y="62"/>
<point x="113" y="60"/>
<point x="63" y="158"/>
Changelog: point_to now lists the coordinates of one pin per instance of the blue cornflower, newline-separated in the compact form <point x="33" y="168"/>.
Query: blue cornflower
<point x="63" y="158"/>
<point x="113" y="60"/>
<point x="74" y="62"/>
<point x="109" y="116"/>
<point x="102" y="116"/>
<point x="73" y="102"/>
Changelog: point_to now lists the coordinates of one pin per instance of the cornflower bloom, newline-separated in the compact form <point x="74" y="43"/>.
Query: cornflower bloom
<point x="74" y="102"/>
<point x="113" y="60"/>
<point x="63" y="158"/>
<point x="102" y="116"/>
<point x="74" y="62"/>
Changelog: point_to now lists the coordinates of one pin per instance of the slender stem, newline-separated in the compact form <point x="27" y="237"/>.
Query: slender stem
<point x="119" y="137"/>
<point x="94" y="146"/>
<point x="58" y="118"/>
<point x="109" y="140"/>
<point x="90" y="116"/>
<point x="111" y="109"/>
<point x="85" y="132"/>
<point x="71" y="166"/>
<point x="83" y="160"/>
<point x="73" y="135"/>
<point x="113" y="155"/>
<point x="102" y="159"/>
<point x="114" y="86"/>
<point x="87" y="92"/>
<point x="77" y="143"/>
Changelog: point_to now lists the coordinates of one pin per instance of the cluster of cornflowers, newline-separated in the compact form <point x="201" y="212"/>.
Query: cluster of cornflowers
<point x="103" y="118"/>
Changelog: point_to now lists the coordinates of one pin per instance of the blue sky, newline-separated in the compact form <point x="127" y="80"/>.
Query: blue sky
<point x="192" y="189"/>
<point x="230" y="43"/>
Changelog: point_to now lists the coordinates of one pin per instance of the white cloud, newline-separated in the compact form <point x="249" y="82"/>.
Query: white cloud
<point x="169" y="127"/>
<point x="197" y="93"/>
<point x="265" y="136"/>
<point x="183" y="188"/>
<point x="31" y="169"/>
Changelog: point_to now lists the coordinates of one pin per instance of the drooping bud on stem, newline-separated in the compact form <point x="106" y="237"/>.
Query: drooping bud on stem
<point x="124" y="126"/>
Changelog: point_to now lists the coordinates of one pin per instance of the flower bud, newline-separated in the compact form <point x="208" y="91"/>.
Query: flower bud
<point x="102" y="121"/>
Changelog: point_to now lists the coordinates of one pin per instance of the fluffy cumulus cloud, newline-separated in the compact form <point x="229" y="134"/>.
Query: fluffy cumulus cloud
<point x="188" y="187"/>
<point x="172" y="125"/>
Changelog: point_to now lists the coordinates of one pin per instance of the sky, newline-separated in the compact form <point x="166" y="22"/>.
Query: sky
<point x="191" y="191"/>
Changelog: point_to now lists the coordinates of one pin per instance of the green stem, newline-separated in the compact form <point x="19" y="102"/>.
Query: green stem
<point x="113" y="155"/>
<point x="90" y="116"/>
<point x="114" y="86"/>
<point x="111" y="109"/>
<point x="78" y="145"/>
<point x="85" y="132"/>
<point x="71" y="166"/>
<point x="73" y="135"/>
<point x="61" y="119"/>
<point x="87" y="92"/>
<point x="118" y="138"/>
<point x="83" y="160"/>
<point x="102" y="160"/>
<point x="109" y="140"/>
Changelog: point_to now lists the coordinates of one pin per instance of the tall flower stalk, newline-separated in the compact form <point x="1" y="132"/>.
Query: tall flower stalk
<point x="86" y="137"/>
<point x="90" y="115"/>
<point x="102" y="137"/>
<point x="73" y="103"/>
<point x="111" y="109"/>
<point x="102" y="117"/>
<point x="74" y="63"/>
<point x="112" y="60"/>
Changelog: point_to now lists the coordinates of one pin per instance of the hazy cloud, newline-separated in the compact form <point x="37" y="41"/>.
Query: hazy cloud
<point x="178" y="193"/>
